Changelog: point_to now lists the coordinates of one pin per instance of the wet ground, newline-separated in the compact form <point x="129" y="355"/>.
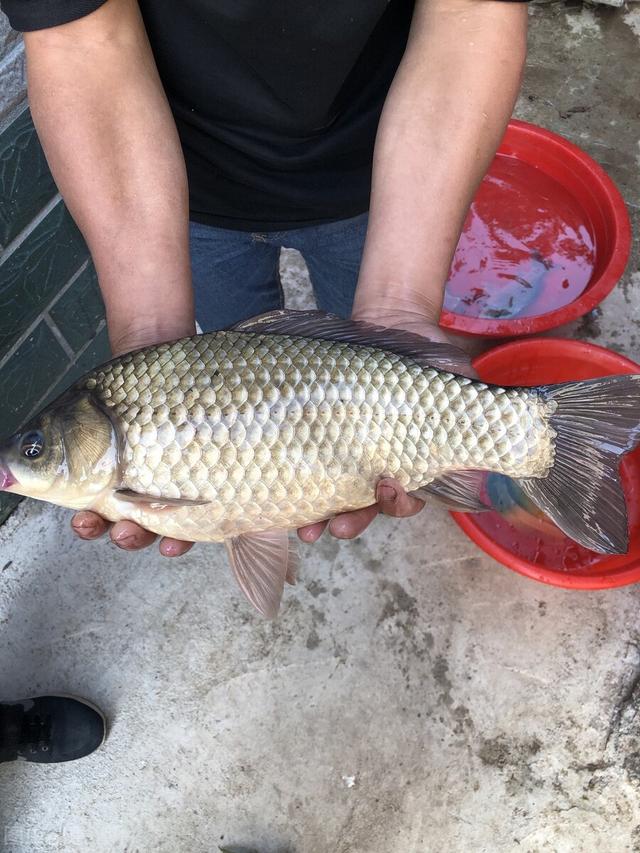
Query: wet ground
<point x="413" y="697"/>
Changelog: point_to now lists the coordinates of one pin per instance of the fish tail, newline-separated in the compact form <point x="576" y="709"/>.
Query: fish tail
<point x="596" y="422"/>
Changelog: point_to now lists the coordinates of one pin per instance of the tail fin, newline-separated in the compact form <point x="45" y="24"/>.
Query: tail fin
<point x="596" y="422"/>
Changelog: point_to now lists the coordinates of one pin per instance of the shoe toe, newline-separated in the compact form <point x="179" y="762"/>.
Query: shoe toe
<point x="81" y="730"/>
<point x="77" y="728"/>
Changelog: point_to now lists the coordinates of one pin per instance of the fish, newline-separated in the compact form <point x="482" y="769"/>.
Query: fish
<point x="243" y="435"/>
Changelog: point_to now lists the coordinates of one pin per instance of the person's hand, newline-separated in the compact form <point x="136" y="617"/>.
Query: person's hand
<point x="391" y="499"/>
<point x="126" y="534"/>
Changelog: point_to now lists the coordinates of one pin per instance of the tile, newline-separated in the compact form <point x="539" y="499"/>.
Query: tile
<point x="78" y="313"/>
<point x="13" y="91"/>
<point x="32" y="274"/>
<point x="8" y="36"/>
<point x="26" y="184"/>
<point x="34" y="368"/>
<point x="96" y="353"/>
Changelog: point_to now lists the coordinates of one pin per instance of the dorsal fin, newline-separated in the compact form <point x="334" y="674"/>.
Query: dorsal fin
<point x="327" y="327"/>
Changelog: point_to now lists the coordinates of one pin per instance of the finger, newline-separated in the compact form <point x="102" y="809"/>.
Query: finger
<point x="312" y="532"/>
<point x="174" y="547"/>
<point x="393" y="500"/>
<point x="130" y="536"/>
<point x="348" y="525"/>
<point x="89" y="525"/>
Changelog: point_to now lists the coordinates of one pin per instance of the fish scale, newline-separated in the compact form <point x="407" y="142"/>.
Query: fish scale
<point x="274" y="431"/>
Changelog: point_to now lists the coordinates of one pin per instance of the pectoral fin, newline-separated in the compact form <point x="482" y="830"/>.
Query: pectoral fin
<point x="154" y="501"/>
<point x="262" y="562"/>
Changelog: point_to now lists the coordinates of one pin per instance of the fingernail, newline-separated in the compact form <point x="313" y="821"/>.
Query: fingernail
<point x="169" y="550"/>
<point x="125" y="540"/>
<point x="387" y="493"/>
<point x="83" y="521"/>
<point x="310" y="535"/>
<point x="339" y="529"/>
<point x="85" y="531"/>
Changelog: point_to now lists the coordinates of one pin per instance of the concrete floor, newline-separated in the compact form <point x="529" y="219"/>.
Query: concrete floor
<point x="413" y="696"/>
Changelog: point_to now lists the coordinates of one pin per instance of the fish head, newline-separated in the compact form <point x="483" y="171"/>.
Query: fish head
<point x="67" y="455"/>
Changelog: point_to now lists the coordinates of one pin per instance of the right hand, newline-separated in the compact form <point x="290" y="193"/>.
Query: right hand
<point x="127" y="534"/>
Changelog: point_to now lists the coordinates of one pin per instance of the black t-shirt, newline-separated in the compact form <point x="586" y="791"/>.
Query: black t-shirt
<point x="277" y="104"/>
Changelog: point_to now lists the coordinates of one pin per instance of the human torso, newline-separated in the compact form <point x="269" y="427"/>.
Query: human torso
<point x="277" y="104"/>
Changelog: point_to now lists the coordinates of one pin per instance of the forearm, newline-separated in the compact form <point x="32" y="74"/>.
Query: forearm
<point x="110" y="140"/>
<point x="441" y="125"/>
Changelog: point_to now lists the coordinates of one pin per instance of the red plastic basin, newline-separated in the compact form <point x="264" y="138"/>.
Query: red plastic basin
<point x="528" y="542"/>
<point x="547" y="238"/>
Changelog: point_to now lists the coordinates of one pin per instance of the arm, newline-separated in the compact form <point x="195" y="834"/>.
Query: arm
<point x="112" y="145"/>
<point x="110" y="140"/>
<point x="442" y="122"/>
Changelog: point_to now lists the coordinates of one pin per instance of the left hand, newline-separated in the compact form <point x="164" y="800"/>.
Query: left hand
<point x="391" y="499"/>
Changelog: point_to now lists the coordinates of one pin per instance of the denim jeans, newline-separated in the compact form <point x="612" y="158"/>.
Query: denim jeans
<point x="236" y="273"/>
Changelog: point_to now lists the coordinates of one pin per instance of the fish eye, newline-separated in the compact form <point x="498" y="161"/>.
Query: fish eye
<point x="32" y="444"/>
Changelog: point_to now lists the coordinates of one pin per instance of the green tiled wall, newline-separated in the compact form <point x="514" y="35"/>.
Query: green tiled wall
<point x="78" y="309"/>
<point x="52" y="326"/>
<point x="32" y="274"/>
<point x="26" y="184"/>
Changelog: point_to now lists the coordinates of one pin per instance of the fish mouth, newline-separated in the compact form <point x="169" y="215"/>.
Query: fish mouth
<point x="6" y="477"/>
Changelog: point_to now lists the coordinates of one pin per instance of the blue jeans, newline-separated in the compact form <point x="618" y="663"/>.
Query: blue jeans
<point x="236" y="273"/>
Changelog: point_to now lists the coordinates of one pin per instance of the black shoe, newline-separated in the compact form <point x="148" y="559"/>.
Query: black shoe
<point x="49" y="729"/>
